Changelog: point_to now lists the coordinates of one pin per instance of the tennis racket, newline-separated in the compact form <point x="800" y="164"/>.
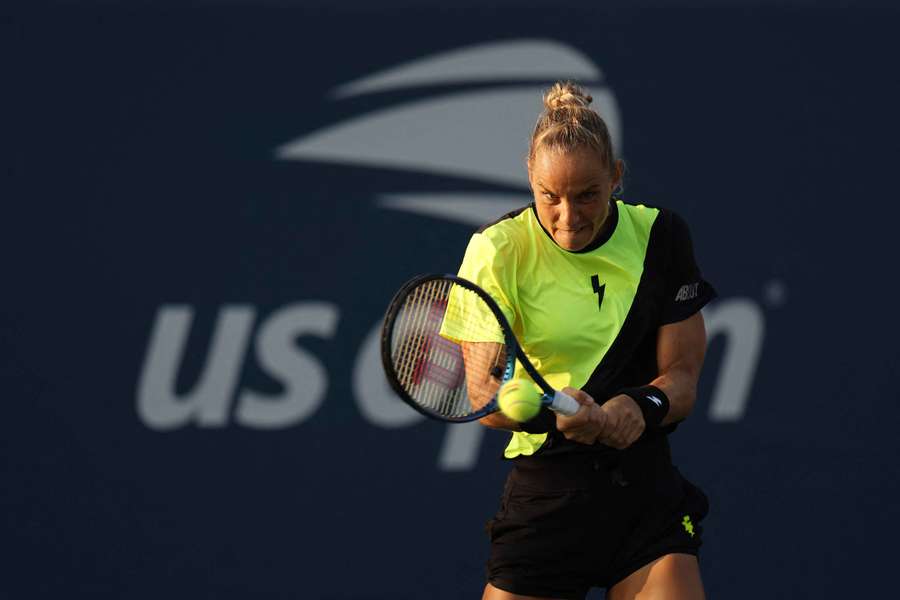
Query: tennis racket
<point x="447" y="348"/>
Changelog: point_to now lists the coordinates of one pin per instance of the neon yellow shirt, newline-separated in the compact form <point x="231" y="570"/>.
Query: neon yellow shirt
<point x="567" y="309"/>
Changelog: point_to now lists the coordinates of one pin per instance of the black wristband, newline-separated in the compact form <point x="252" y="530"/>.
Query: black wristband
<point x="542" y="422"/>
<point x="653" y="402"/>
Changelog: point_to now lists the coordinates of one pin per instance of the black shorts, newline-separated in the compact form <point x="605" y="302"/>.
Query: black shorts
<point x="571" y="522"/>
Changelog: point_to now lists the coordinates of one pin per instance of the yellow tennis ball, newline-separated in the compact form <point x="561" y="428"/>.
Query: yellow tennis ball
<point x="519" y="399"/>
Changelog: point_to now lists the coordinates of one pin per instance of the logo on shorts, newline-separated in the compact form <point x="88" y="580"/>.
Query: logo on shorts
<point x="688" y="526"/>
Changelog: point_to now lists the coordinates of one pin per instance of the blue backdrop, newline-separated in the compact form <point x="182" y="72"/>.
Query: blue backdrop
<point x="207" y="208"/>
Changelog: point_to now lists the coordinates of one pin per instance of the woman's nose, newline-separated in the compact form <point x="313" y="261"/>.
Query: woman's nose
<point x="566" y="213"/>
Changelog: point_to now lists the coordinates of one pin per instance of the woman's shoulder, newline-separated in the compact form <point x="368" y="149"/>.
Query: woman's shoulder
<point x="642" y="209"/>
<point x="661" y="218"/>
<point x="509" y="230"/>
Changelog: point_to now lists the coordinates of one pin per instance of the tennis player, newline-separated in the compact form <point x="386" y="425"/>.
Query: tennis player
<point x="605" y="298"/>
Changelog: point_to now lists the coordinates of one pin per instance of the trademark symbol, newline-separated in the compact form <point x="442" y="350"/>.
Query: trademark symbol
<point x="775" y="293"/>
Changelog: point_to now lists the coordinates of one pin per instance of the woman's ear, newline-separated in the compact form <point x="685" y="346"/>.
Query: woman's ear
<point x="618" y="178"/>
<point x="619" y="173"/>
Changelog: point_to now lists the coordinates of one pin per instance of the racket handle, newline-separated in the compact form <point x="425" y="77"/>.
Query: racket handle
<point x="564" y="404"/>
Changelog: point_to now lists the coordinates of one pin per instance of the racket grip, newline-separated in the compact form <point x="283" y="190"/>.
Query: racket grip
<point x="564" y="404"/>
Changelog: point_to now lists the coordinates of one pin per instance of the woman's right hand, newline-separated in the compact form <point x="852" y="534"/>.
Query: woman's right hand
<point x="587" y="424"/>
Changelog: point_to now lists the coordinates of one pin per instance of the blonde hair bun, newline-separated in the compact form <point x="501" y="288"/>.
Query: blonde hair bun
<point x="568" y="122"/>
<point x="566" y="94"/>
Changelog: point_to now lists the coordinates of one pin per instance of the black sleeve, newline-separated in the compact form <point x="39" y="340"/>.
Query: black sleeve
<point x="685" y="290"/>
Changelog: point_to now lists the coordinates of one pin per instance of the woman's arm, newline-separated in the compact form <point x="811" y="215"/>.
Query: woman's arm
<point x="481" y="386"/>
<point x="619" y="422"/>
<point x="680" y="349"/>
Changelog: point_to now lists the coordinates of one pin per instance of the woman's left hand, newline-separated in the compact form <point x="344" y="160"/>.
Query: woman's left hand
<point x="624" y="422"/>
<point x="618" y="422"/>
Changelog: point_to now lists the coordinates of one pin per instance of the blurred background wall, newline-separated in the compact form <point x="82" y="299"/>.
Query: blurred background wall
<point x="207" y="207"/>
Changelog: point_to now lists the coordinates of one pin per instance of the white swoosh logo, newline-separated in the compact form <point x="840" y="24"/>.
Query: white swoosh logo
<point x="479" y="135"/>
<point x="475" y="208"/>
<point x="518" y="60"/>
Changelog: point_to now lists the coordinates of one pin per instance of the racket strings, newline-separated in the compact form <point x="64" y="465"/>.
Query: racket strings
<point x="447" y="349"/>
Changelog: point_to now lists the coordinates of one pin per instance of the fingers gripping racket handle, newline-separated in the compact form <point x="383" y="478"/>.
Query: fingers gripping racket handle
<point x="564" y="404"/>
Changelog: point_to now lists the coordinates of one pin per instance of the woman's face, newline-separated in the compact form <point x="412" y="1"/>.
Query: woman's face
<point x="571" y="193"/>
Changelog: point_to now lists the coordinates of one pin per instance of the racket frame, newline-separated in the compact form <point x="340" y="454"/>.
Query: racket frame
<point x="549" y="397"/>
